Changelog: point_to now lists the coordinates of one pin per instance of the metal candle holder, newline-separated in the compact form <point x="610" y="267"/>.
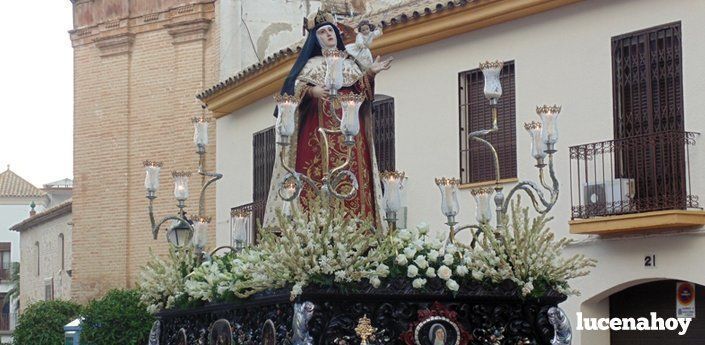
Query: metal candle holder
<point x="181" y="190"/>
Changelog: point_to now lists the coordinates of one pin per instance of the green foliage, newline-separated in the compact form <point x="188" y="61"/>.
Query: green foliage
<point x="117" y="318"/>
<point x="42" y="323"/>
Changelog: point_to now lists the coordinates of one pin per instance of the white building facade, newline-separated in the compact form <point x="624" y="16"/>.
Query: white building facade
<point x="560" y="52"/>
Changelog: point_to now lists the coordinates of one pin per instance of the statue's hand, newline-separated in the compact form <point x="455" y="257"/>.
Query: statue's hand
<point x="380" y="65"/>
<point x="319" y="92"/>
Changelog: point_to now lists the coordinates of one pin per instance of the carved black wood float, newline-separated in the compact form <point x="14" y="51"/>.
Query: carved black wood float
<point x="477" y="314"/>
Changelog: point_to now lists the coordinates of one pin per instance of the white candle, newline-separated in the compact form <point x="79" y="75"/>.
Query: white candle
<point x="333" y="79"/>
<point x="549" y="122"/>
<point x="449" y="195"/>
<point x="393" y="185"/>
<point x="350" y="122"/>
<point x="181" y="184"/>
<point x="483" y="209"/>
<point x="538" y="147"/>
<point x="200" y="134"/>
<point x="493" y="86"/>
<point x="286" y="119"/>
<point x="200" y="235"/>
<point x="151" y="180"/>
<point x="240" y="233"/>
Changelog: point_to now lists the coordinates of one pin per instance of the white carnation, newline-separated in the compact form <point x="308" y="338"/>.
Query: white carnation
<point x="375" y="282"/>
<point x="402" y="260"/>
<point x="433" y="255"/>
<point x="410" y="252"/>
<point x="412" y="271"/>
<point x="404" y="234"/>
<point x="461" y="270"/>
<point x="418" y="283"/>
<point x="448" y="259"/>
<point x="421" y="262"/>
<point x="431" y="272"/>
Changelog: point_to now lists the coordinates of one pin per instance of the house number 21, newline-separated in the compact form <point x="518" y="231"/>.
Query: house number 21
<point x="650" y="261"/>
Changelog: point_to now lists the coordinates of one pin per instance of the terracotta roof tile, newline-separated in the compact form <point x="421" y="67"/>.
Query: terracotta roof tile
<point x="12" y="185"/>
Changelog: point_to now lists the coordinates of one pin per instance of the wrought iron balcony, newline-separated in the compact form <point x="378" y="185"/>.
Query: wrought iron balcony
<point x="625" y="176"/>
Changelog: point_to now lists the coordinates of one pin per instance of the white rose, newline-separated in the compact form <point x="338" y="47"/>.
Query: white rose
<point x="477" y="275"/>
<point x="412" y="271"/>
<point x="404" y="234"/>
<point x="421" y="262"/>
<point x="452" y="285"/>
<point x="461" y="271"/>
<point x="433" y="255"/>
<point x="528" y="287"/>
<point x="375" y="282"/>
<point x="422" y="228"/>
<point x="444" y="272"/>
<point x="451" y="248"/>
<point x="431" y="272"/>
<point x="401" y="260"/>
<point x="418" y="283"/>
<point x="448" y="259"/>
<point x="409" y="252"/>
<point x="419" y="244"/>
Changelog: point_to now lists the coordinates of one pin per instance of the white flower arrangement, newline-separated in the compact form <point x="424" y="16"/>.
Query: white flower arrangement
<point x="324" y="246"/>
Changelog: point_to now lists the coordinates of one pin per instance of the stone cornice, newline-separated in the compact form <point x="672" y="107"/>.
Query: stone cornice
<point x="116" y="44"/>
<point x="410" y="32"/>
<point x="188" y="31"/>
<point x="170" y="19"/>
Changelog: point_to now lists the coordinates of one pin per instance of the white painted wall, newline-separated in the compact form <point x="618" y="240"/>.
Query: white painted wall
<point x="562" y="56"/>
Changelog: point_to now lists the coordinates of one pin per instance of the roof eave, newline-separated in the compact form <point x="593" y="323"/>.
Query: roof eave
<point x="403" y="33"/>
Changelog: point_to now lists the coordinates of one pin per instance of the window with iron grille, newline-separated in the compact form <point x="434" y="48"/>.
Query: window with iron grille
<point x="476" y="159"/>
<point x="264" y="151"/>
<point x="383" y="109"/>
<point x="648" y="104"/>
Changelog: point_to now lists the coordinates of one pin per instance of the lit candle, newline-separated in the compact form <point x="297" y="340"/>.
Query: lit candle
<point x="200" y="134"/>
<point x="181" y="184"/>
<point x="200" y="232"/>
<point x="493" y="86"/>
<point x="286" y="122"/>
<point x="538" y="147"/>
<point x="350" y="122"/>
<point x="393" y="184"/>
<point x="483" y="210"/>
<point x="333" y="79"/>
<point x="449" y="195"/>
<point x="151" y="180"/>
<point x="549" y="122"/>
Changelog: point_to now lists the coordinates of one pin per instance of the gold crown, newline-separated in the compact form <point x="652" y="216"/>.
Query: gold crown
<point x="318" y="18"/>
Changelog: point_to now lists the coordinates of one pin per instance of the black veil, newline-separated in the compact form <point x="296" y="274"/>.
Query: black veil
<point x="310" y="49"/>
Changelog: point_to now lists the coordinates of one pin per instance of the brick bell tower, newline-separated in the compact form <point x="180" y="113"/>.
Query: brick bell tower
<point x="137" y="68"/>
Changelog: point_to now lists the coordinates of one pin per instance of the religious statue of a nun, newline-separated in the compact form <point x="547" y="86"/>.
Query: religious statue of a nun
<point x="320" y="107"/>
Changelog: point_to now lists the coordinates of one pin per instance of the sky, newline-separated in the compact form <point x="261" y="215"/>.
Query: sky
<point x="36" y="90"/>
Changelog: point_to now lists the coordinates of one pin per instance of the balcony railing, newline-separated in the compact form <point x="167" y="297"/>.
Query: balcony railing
<point x="256" y="210"/>
<point x="632" y="175"/>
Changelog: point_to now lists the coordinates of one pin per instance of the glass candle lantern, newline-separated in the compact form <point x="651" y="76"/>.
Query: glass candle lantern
<point x="241" y="233"/>
<point x="350" y="122"/>
<point x="334" y="69"/>
<point x="393" y="182"/>
<point x="286" y="119"/>
<point x="449" y="195"/>
<point x="200" y="133"/>
<point x="538" y="147"/>
<point x="180" y="234"/>
<point x="200" y="232"/>
<point x="493" y="86"/>
<point x="151" y="180"/>
<point x="549" y="123"/>
<point x="483" y="209"/>
<point x="181" y="184"/>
